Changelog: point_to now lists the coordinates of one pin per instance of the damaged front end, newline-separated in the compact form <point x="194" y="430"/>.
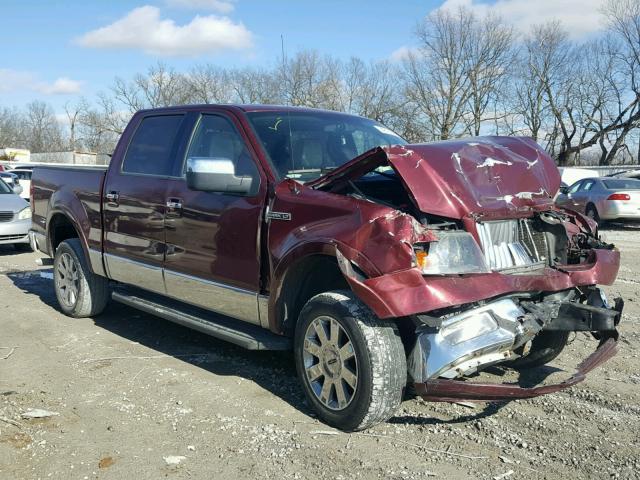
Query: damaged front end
<point x="493" y="266"/>
<point x="456" y="345"/>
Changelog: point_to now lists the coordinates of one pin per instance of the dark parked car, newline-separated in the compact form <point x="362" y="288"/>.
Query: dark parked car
<point x="381" y="264"/>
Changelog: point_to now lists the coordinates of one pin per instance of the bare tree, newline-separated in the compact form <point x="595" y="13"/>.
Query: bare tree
<point x="42" y="130"/>
<point x="458" y="70"/>
<point x="311" y="80"/>
<point x="12" y="128"/>
<point x="490" y="61"/>
<point x="208" y="84"/>
<point x="251" y="85"/>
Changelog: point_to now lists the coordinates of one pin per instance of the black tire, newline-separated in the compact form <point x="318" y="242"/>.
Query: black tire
<point x="378" y="358"/>
<point x="22" y="247"/>
<point x="72" y="273"/>
<point x="545" y="346"/>
<point x="592" y="213"/>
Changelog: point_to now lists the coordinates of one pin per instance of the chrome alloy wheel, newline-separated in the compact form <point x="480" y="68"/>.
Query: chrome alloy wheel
<point x="330" y="363"/>
<point x="67" y="280"/>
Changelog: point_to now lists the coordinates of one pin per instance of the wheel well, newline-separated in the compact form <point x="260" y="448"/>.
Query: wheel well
<point x="590" y="204"/>
<point x="306" y="278"/>
<point x="60" y="229"/>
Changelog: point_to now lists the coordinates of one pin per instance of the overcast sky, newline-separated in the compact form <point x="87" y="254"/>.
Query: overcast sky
<point x="58" y="50"/>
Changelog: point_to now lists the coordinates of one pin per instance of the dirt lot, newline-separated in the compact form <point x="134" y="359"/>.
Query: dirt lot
<point x="137" y="397"/>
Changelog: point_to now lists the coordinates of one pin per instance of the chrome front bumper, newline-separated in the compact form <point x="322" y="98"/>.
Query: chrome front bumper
<point x="15" y="231"/>
<point x="470" y="340"/>
<point x="38" y="242"/>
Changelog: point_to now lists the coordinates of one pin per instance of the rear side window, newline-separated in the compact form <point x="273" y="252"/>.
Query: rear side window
<point x="23" y="175"/>
<point x="151" y="150"/>
<point x="586" y="186"/>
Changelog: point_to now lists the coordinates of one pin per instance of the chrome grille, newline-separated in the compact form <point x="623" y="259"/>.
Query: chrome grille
<point x="509" y="244"/>
<point x="6" y="238"/>
<point x="6" y="216"/>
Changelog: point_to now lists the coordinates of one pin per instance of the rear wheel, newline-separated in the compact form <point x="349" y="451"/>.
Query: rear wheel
<point x="80" y="292"/>
<point x="351" y="364"/>
<point x="592" y="213"/>
<point x="545" y="346"/>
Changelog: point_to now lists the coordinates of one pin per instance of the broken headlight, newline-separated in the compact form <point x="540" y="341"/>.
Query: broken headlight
<point x="455" y="252"/>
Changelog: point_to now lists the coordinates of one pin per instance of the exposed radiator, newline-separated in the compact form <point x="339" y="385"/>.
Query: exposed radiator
<point x="512" y="243"/>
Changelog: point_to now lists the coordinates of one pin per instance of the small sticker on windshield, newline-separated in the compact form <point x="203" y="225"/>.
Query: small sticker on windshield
<point x="385" y="130"/>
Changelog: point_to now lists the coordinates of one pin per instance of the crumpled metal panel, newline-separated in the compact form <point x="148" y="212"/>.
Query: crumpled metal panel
<point x="444" y="390"/>
<point x="485" y="176"/>
<point x="469" y="341"/>
<point x="408" y="292"/>
<point x="497" y="174"/>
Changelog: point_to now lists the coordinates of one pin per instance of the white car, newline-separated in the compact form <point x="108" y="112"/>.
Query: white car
<point x="24" y="175"/>
<point x="15" y="219"/>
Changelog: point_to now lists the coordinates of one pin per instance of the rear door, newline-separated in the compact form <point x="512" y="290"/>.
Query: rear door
<point x="134" y="204"/>
<point x="213" y="239"/>
<point x="566" y="199"/>
<point x="582" y="196"/>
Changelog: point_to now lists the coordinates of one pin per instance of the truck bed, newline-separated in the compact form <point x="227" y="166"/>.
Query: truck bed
<point x="76" y="190"/>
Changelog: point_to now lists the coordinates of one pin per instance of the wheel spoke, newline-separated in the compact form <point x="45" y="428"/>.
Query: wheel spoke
<point x="312" y="347"/>
<point x="334" y="332"/>
<point x="326" y="390"/>
<point x="320" y="332"/>
<point x="314" y="372"/>
<point x="349" y="377"/>
<point x="346" y="352"/>
<point x="340" y="394"/>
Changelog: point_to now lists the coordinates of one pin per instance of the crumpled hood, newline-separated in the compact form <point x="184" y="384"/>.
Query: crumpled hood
<point x="483" y="176"/>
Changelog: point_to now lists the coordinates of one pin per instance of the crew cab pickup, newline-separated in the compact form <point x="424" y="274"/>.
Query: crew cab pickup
<point x="384" y="266"/>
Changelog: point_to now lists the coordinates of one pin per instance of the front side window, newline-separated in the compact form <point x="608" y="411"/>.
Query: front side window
<point x="304" y="145"/>
<point x="215" y="137"/>
<point x="151" y="150"/>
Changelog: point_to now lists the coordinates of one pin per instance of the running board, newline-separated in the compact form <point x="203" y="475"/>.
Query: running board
<point x="251" y="337"/>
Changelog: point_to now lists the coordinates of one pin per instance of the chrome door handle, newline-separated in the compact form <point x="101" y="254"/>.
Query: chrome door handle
<point x="113" y="197"/>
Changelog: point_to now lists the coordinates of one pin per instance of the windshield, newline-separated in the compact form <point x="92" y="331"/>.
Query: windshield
<point x="305" y="145"/>
<point x="4" y="188"/>
<point x="629" y="184"/>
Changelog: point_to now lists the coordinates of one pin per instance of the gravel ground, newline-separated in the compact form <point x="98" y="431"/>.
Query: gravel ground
<point x="136" y="397"/>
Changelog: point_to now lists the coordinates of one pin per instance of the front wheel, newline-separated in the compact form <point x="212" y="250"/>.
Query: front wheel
<point x="351" y="364"/>
<point x="80" y="292"/>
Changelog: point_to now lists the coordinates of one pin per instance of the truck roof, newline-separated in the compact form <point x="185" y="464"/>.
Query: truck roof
<point x="244" y="108"/>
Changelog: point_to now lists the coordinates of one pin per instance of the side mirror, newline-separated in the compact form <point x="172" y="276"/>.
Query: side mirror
<point x="564" y="190"/>
<point x="207" y="174"/>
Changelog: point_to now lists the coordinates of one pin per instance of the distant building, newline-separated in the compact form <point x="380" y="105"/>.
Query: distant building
<point x="15" y="154"/>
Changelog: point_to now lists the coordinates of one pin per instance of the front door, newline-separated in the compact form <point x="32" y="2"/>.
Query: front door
<point x="135" y="201"/>
<point x="213" y="244"/>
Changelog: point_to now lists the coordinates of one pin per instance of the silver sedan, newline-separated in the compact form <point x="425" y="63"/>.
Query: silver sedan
<point x="15" y="219"/>
<point x="604" y="198"/>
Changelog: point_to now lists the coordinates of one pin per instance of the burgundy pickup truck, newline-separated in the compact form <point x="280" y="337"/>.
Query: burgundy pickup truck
<point x="384" y="266"/>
